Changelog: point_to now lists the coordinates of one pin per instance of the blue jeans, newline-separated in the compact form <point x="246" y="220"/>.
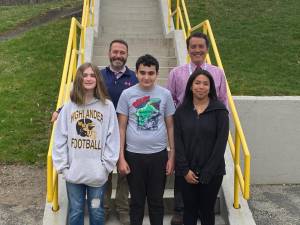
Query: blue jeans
<point x="76" y="196"/>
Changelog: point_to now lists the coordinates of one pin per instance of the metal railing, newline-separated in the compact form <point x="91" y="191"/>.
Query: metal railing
<point x="240" y="180"/>
<point x="74" y="53"/>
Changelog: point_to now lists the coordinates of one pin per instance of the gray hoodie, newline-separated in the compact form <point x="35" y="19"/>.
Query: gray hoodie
<point x="86" y="142"/>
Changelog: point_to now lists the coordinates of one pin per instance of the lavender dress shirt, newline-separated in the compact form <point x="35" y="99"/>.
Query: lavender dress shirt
<point x="179" y="76"/>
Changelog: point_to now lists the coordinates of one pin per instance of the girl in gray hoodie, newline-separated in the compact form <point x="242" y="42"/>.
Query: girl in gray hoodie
<point x="86" y="145"/>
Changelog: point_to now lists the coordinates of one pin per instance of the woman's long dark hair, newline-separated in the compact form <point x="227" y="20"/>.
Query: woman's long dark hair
<point x="188" y="95"/>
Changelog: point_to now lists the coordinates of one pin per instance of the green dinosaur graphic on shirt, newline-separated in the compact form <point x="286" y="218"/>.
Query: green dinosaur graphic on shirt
<point x="147" y="113"/>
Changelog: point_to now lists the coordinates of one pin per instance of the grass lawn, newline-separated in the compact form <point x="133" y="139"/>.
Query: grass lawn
<point x="258" y="40"/>
<point x="12" y="16"/>
<point x="30" y="72"/>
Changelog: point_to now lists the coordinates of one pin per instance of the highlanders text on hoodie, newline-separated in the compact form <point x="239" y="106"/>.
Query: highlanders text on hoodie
<point x="86" y="142"/>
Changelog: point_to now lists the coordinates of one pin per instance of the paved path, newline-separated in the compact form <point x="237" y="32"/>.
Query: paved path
<point x="22" y="194"/>
<point x="275" y="204"/>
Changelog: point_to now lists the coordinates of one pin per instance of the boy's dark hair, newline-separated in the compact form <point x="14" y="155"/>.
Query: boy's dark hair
<point x="197" y="35"/>
<point x="147" y="60"/>
<point x="188" y="95"/>
<point x="118" y="41"/>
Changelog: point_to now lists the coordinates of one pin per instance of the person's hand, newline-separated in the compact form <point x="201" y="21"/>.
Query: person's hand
<point x="170" y="166"/>
<point x="123" y="167"/>
<point x="191" y="178"/>
<point x="54" y="116"/>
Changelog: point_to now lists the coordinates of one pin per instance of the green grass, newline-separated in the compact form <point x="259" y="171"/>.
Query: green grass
<point x="258" y="40"/>
<point x="12" y="16"/>
<point x="30" y="71"/>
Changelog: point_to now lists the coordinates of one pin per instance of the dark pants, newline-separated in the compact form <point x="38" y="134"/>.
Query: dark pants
<point x="178" y="202"/>
<point x="199" y="200"/>
<point x="122" y="193"/>
<point x="147" y="179"/>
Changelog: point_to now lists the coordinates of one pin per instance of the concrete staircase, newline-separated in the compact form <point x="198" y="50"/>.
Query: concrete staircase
<point x="139" y="23"/>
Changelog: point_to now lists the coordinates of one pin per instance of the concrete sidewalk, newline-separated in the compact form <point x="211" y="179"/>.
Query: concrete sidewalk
<point x="275" y="204"/>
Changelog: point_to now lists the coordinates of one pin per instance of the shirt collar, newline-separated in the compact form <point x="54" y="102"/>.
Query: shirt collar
<point x="119" y="73"/>
<point x="193" y="66"/>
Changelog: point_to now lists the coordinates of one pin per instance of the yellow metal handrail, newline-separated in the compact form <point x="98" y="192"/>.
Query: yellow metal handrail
<point x="75" y="48"/>
<point x="240" y="180"/>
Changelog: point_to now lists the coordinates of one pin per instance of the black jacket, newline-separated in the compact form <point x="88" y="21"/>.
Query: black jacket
<point x="200" y="140"/>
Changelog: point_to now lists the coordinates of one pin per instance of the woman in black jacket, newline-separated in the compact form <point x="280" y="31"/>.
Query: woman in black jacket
<point x="201" y="133"/>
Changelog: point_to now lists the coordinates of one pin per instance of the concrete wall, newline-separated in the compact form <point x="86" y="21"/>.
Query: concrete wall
<point x="272" y="129"/>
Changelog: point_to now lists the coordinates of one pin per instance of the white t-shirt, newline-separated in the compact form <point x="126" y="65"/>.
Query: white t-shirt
<point x="146" y="131"/>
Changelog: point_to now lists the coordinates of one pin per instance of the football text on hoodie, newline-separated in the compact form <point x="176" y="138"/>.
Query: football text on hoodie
<point x="86" y="142"/>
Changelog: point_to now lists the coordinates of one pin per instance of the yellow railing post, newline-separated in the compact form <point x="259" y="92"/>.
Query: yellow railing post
<point x="247" y="177"/>
<point x="177" y="14"/>
<point x="169" y="14"/>
<point x="75" y="64"/>
<point x="83" y="12"/>
<point x="55" y="206"/>
<point x="88" y="19"/>
<point x="236" y="164"/>
<point x="70" y="72"/>
<point x="93" y="12"/>
<point x="66" y="64"/>
<point x="204" y="28"/>
<point x="49" y="175"/>
<point x="75" y="38"/>
<point x="186" y="16"/>
<point x="214" y="45"/>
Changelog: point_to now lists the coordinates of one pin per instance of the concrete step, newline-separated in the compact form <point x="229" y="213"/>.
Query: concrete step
<point x="130" y="20"/>
<point x="168" y="201"/>
<point x="124" y="9"/>
<point x="134" y="29"/>
<point x="127" y="16"/>
<point x="168" y="194"/>
<point x="163" y="73"/>
<point x="147" y="2"/>
<point x="167" y="220"/>
<point x="162" y="81"/>
<point x="147" y="42"/>
<point x="164" y="61"/>
<point x="132" y="23"/>
<point x="125" y="35"/>
<point x="169" y="182"/>
<point x="134" y="3"/>
<point x="134" y="50"/>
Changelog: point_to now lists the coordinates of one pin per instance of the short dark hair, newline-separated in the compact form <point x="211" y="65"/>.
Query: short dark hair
<point x="188" y="95"/>
<point x="118" y="41"/>
<point x="197" y="35"/>
<point x="147" y="60"/>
